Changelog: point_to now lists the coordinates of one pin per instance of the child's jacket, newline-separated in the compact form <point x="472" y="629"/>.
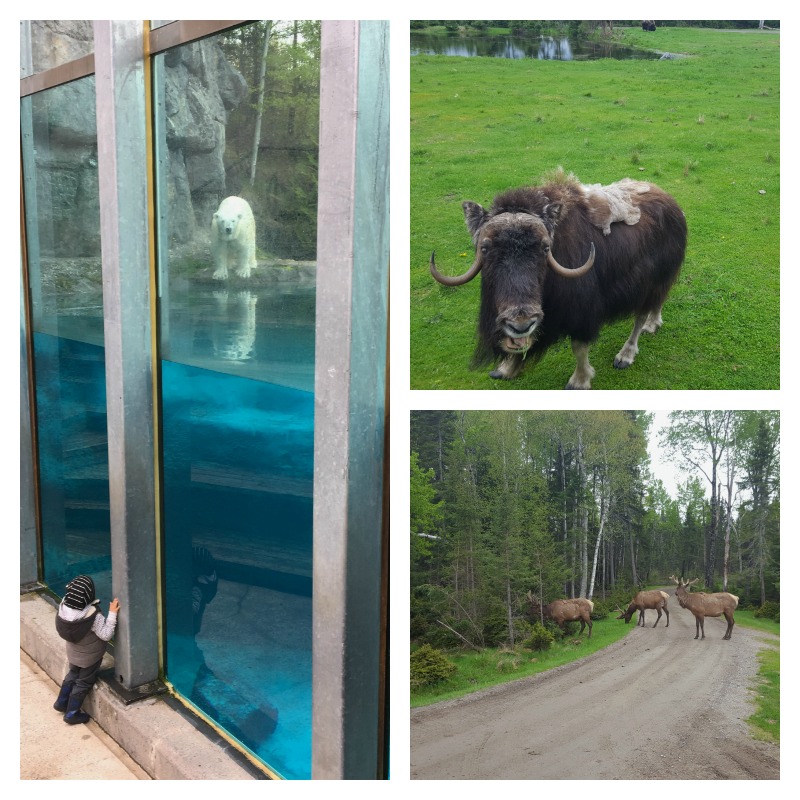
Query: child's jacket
<point x="78" y="628"/>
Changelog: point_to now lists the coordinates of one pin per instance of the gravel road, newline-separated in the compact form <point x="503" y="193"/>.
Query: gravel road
<point x="655" y="705"/>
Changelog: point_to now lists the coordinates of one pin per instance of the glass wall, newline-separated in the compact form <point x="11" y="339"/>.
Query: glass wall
<point x="56" y="42"/>
<point x="59" y="143"/>
<point x="200" y="322"/>
<point x="236" y="121"/>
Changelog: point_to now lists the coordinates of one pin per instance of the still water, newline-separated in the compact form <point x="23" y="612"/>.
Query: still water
<point x="544" y="47"/>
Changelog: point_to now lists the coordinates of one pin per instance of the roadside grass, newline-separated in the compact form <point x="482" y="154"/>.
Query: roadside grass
<point x="766" y="722"/>
<point x="746" y="619"/>
<point x="705" y="128"/>
<point x="494" y="666"/>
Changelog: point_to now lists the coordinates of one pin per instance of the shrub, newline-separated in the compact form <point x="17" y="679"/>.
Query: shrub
<point x="769" y="610"/>
<point x="429" y="666"/>
<point x="540" y="638"/>
<point x="495" y="629"/>
<point x="508" y="662"/>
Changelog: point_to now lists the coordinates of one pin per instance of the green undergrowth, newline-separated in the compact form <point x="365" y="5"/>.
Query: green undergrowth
<point x="493" y="666"/>
<point x="766" y="722"/>
<point x="746" y="619"/>
<point x="704" y="127"/>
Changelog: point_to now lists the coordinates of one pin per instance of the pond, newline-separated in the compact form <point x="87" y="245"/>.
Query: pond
<point x="553" y="48"/>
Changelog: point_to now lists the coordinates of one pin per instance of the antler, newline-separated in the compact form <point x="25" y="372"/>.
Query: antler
<point x="676" y="580"/>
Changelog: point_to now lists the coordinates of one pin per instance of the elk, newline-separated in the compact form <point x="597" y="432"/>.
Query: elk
<point x="561" y="611"/>
<point x="704" y="605"/>
<point x="653" y="598"/>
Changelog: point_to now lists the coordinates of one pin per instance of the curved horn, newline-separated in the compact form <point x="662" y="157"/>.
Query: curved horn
<point x="571" y="273"/>
<point x="456" y="280"/>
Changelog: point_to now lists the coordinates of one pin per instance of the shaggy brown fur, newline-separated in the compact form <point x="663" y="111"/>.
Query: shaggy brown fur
<point x="526" y="306"/>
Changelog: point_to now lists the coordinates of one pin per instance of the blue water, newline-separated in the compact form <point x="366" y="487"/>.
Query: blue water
<point x="73" y="461"/>
<point x="237" y="455"/>
<point x="238" y="477"/>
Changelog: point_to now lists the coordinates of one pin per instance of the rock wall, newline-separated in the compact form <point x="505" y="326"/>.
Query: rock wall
<point x="200" y="88"/>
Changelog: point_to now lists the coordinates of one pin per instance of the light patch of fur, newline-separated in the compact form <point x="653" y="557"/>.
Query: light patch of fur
<point x="560" y="177"/>
<point x="614" y="203"/>
<point x="584" y="371"/>
<point x="508" y="368"/>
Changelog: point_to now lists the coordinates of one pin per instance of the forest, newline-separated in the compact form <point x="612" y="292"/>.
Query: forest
<point x="509" y="505"/>
<point x="273" y="136"/>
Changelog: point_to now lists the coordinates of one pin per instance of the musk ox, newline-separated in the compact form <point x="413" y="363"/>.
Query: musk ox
<point x="550" y="272"/>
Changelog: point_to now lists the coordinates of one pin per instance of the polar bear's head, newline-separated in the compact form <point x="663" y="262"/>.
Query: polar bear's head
<point x="227" y="224"/>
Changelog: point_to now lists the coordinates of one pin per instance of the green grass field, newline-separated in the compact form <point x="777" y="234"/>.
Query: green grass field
<point x="705" y="128"/>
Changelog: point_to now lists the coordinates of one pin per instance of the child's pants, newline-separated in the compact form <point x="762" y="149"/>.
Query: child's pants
<point x="81" y="679"/>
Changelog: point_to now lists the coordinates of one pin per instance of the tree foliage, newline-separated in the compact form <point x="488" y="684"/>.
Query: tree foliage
<point x="555" y="504"/>
<point x="277" y="128"/>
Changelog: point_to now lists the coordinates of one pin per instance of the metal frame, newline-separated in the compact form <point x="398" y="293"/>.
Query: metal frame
<point x="125" y="236"/>
<point x="352" y="289"/>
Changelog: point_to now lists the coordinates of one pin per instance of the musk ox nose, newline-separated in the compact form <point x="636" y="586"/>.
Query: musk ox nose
<point x="520" y="328"/>
<point x="520" y="324"/>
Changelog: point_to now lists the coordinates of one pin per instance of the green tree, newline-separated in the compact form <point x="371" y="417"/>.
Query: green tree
<point x="700" y="440"/>
<point x="426" y="514"/>
<point x="760" y="435"/>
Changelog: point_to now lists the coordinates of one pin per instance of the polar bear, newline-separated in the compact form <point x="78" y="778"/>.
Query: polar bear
<point x="233" y="238"/>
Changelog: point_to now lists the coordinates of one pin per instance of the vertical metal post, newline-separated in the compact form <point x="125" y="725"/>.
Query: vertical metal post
<point x="122" y="160"/>
<point x="352" y="288"/>
<point x="29" y="541"/>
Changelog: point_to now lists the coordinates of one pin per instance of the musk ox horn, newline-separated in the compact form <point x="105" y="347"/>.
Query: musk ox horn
<point x="457" y="280"/>
<point x="571" y="273"/>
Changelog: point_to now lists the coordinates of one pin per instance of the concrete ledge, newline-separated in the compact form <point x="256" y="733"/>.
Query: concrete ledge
<point x="167" y="743"/>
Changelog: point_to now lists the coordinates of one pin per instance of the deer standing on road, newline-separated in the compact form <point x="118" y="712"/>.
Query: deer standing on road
<point x="654" y="598"/>
<point x="704" y="605"/>
<point x="561" y="611"/>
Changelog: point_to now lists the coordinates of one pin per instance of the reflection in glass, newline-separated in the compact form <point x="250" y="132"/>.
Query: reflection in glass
<point x="236" y="151"/>
<point x="59" y="144"/>
<point x="54" y="42"/>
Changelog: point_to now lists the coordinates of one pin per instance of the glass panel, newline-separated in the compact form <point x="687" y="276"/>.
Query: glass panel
<point x="59" y="142"/>
<point x="57" y="41"/>
<point x="236" y="151"/>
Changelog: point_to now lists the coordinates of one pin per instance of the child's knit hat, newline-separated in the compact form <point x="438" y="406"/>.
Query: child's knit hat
<point x="79" y="593"/>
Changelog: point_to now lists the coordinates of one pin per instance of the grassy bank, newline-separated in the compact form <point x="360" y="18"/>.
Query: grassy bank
<point x="766" y="722"/>
<point x="494" y="666"/>
<point x="704" y="127"/>
<point x="747" y="620"/>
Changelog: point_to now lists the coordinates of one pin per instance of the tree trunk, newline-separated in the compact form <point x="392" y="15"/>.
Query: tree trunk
<point x="634" y="576"/>
<point x="260" y="106"/>
<point x="584" y="528"/>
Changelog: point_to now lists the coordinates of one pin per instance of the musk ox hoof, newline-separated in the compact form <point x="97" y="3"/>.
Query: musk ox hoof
<point x="620" y="363"/>
<point x="570" y="386"/>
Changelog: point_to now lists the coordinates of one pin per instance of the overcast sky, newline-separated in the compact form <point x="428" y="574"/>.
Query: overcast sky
<point x="669" y="474"/>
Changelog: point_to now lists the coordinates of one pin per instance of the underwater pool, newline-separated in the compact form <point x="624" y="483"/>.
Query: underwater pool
<point x="237" y="407"/>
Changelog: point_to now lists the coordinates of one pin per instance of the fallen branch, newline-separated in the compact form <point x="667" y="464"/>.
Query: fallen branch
<point x="466" y="641"/>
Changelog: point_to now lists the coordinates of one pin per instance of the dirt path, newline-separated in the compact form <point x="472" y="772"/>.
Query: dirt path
<point x="655" y="705"/>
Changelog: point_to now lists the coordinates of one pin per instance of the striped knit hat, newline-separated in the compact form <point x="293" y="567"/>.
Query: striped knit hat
<point x="79" y="593"/>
